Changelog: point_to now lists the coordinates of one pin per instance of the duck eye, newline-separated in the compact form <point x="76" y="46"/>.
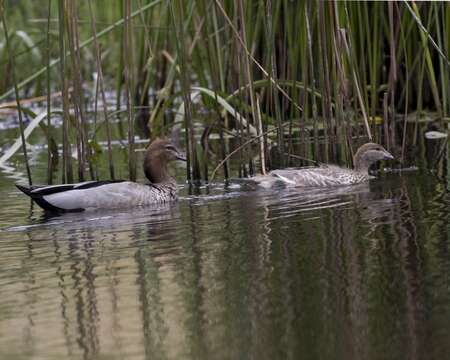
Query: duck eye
<point x="171" y="148"/>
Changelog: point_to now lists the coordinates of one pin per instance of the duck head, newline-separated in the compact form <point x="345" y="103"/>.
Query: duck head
<point x="159" y="153"/>
<point x="369" y="154"/>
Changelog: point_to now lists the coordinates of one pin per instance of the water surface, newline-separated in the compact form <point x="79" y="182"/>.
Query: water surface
<point x="354" y="273"/>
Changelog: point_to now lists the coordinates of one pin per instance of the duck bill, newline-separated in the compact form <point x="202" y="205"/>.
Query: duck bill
<point x="181" y="156"/>
<point x="388" y="156"/>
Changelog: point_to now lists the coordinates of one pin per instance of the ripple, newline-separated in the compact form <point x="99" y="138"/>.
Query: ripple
<point x="228" y="271"/>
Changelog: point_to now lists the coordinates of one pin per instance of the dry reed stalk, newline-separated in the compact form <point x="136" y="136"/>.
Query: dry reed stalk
<point x="261" y="140"/>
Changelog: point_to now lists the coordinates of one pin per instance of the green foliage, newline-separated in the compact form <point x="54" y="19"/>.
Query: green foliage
<point x="333" y="65"/>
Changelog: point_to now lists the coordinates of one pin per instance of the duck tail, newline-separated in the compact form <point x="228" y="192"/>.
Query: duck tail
<point x="25" y="189"/>
<point x="39" y="199"/>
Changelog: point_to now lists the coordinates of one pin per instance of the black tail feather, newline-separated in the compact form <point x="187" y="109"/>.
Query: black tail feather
<point x="25" y="189"/>
<point x="39" y="199"/>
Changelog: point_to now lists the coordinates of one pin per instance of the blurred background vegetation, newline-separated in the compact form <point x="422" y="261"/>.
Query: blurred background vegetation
<point x="271" y="78"/>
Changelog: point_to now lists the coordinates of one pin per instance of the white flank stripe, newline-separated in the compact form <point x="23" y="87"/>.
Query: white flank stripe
<point x="286" y="179"/>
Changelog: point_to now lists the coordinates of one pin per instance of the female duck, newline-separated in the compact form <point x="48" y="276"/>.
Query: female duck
<point x="328" y="175"/>
<point x="115" y="193"/>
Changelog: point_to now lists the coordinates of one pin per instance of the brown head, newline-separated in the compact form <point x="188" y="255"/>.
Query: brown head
<point x="369" y="154"/>
<point x="159" y="154"/>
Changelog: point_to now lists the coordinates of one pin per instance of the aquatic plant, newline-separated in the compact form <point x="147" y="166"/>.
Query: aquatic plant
<point x="292" y="74"/>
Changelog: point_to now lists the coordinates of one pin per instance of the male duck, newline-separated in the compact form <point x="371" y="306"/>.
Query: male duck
<point x="114" y="193"/>
<point x="327" y="175"/>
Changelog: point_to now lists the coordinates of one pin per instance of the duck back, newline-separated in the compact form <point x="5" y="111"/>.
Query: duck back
<point x="322" y="176"/>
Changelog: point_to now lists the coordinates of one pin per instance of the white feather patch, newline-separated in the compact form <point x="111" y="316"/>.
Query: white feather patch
<point x="286" y="180"/>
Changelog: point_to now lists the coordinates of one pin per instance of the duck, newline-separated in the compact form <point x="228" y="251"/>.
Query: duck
<point x="113" y="194"/>
<point x="327" y="175"/>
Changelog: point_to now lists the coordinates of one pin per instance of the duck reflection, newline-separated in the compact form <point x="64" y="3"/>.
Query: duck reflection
<point x="95" y="307"/>
<point x="345" y="274"/>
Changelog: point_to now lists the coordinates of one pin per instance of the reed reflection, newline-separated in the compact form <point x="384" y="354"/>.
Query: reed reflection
<point x="347" y="274"/>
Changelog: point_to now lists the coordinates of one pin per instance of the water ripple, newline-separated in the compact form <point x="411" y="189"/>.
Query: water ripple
<point x="270" y="274"/>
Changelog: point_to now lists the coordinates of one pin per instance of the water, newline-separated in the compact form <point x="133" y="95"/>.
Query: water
<point x="355" y="273"/>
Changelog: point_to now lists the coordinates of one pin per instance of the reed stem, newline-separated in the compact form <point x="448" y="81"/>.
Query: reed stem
<point x="128" y="61"/>
<point x="102" y="90"/>
<point x="16" y="93"/>
<point x="49" y="114"/>
<point x="67" y="174"/>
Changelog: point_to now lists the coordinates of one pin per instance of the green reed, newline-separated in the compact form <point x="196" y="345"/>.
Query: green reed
<point x="309" y="72"/>
<point x="49" y="117"/>
<point x="102" y="90"/>
<point x="16" y="92"/>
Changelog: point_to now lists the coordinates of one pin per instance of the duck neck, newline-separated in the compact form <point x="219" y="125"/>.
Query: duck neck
<point x="361" y="165"/>
<point x="156" y="170"/>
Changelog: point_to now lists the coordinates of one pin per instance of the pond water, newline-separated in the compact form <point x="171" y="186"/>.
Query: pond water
<point x="351" y="273"/>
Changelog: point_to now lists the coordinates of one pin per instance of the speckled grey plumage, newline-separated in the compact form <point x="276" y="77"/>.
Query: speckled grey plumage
<point x="327" y="175"/>
<point x="312" y="177"/>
